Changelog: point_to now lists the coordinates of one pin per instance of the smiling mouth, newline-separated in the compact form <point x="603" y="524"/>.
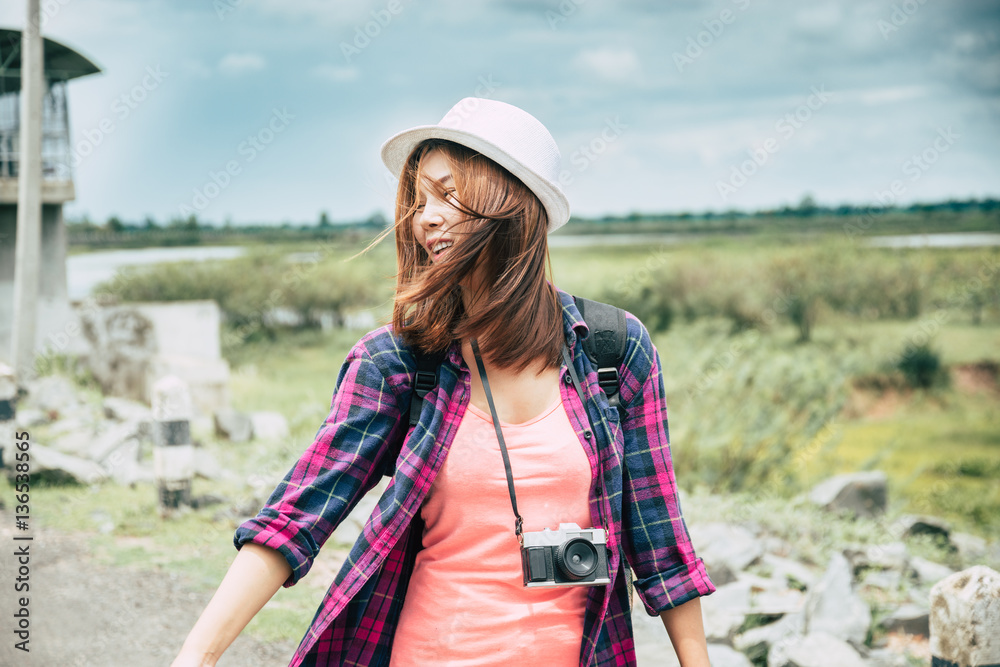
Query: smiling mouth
<point x="443" y="250"/>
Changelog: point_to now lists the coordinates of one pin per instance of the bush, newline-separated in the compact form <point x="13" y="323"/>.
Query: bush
<point x="921" y="367"/>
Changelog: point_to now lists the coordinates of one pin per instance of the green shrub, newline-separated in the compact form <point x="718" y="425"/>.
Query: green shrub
<point x="921" y="366"/>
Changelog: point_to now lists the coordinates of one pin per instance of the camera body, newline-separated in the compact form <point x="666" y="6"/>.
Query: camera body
<point x="568" y="556"/>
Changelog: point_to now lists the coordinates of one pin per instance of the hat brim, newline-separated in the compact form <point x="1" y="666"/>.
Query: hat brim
<point x="398" y="147"/>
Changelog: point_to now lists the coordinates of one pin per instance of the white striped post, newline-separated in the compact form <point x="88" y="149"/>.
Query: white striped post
<point x="173" y="452"/>
<point x="965" y="619"/>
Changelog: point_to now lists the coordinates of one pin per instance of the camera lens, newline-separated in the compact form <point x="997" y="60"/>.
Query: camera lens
<point x="576" y="558"/>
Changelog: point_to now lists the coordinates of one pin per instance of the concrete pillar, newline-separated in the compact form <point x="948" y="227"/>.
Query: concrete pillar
<point x="8" y="398"/>
<point x="173" y="452"/>
<point x="965" y="619"/>
<point x="29" y="195"/>
<point x="57" y="328"/>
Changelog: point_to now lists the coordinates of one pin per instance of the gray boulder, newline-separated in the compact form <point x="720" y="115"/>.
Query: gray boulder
<point x="233" y="425"/>
<point x="863" y="494"/>
<point x="919" y="524"/>
<point x="970" y="547"/>
<point x="758" y="641"/>
<point x="30" y="417"/>
<point x="928" y="572"/>
<point x="124" y="467"/>
<point x="965" y="615"/>
<point x="817" y="649"/>
<point x="123" y="344"/>
<point x="721" y="655"/>
<point x="789" y="571"/>
<point x="51" y="394"/>
<point x="910" y="618"/>
<point x="269" y="425"/>
<point x="724" y="611"/>
<point x="727" y="549"/>
<point x="890" y="556"/>
<point x="122" y="409"/>
<point x="46" y="459"/>
<point x="206" y="465"/>
<point x="111" y="438"/>
<point x="883" y="657"/>
<point x="833" y="607"/>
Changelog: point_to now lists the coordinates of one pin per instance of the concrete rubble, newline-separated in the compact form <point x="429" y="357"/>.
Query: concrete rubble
<point x="237" y="426"/>
<point x="860" y="494"/>
<point x="88" y="440"/>
<point x="770" y="606"/>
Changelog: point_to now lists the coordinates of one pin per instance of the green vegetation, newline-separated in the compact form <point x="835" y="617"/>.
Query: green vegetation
<point x="764" y="345"/>
<point x="785" y="359"/>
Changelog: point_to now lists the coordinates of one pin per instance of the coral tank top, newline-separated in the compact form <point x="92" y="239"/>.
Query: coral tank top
<point x="466" y="603"/>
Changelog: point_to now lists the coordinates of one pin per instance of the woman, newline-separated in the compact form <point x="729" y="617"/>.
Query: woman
<point x="436" y="575"/>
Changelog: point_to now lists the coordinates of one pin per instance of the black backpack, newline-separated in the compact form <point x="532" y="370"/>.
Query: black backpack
<point x="605" y="347"/>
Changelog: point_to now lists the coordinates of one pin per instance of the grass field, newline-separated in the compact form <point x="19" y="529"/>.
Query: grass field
<point x="750" y="402"/>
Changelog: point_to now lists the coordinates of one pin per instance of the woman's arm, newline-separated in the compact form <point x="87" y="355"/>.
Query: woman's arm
<point x="687" y="633"/>
<point x="254" y="577"/>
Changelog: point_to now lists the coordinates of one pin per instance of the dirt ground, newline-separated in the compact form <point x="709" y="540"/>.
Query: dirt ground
<point x="84" y="613"/>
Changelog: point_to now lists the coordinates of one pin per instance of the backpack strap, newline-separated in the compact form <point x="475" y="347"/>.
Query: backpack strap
<point x="606" y="344"/>
<point x="605" y="347"/>
<point x="424" y="379"/>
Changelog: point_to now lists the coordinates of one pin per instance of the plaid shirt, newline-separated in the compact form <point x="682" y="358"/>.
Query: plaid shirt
<point x="355" y="623"/>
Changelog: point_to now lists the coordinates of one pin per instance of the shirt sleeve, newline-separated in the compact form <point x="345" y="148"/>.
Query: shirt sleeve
<point x="344" y="461"/>
<point x="655" y="537"/>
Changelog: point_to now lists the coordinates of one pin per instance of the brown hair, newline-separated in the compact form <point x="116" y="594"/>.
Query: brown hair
<point x="519" y="318"/>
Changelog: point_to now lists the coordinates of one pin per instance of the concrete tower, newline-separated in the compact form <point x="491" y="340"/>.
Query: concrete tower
<point x="61" y="65"/>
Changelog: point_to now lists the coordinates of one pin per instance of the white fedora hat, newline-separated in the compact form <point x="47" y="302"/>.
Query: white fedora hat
<point x="509" y="136"/>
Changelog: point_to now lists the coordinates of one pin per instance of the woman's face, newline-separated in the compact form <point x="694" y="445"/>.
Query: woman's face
<point x="435" y="220"/>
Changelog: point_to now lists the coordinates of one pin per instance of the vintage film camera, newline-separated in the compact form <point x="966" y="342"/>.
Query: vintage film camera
<point x="569" y="556"/>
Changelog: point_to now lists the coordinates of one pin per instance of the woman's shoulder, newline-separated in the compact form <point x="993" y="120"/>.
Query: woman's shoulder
<point x="392" y="357"/>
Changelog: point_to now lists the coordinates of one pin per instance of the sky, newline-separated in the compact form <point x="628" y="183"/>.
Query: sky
<point x="269" y="111"/>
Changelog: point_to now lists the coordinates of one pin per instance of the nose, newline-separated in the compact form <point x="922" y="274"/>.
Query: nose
<point x="434" y="213"/>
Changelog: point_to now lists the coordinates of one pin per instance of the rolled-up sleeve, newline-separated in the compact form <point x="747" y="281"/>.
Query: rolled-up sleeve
<point x="655" y="537"/>
<point x="344" y="461"/>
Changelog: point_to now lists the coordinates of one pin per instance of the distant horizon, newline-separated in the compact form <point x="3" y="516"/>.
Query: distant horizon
<point x="819" y="207"/>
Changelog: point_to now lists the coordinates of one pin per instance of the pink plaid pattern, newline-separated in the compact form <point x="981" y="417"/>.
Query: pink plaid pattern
<point x="368" y="423"/>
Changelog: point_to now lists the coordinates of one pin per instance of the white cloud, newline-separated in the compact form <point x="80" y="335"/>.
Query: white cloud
<point x="335" y="73"/>
<point x="238" y="63"/>
<point x="888" y="95"/>
<point x="610" y="64"/>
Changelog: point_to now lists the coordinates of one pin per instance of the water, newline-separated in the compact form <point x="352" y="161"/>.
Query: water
<point x="86" y="271"/>
<point x="953" y="240"/>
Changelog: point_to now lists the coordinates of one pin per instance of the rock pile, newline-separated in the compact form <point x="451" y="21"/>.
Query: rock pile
<point x="775" y="609"/>
<point x="81" y="439"/>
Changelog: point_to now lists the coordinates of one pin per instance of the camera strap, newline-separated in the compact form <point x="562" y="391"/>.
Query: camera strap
<point x="518" y="521"/>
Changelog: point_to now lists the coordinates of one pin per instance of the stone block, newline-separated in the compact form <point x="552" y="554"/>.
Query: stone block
<point x="965" y="617"/>
<point x="862" y="494"/>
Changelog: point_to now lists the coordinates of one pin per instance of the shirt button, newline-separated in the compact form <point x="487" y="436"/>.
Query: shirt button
<point x="568" y="379"/>
<point x="587" y="434"/>
<point x="598" y="492"/>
